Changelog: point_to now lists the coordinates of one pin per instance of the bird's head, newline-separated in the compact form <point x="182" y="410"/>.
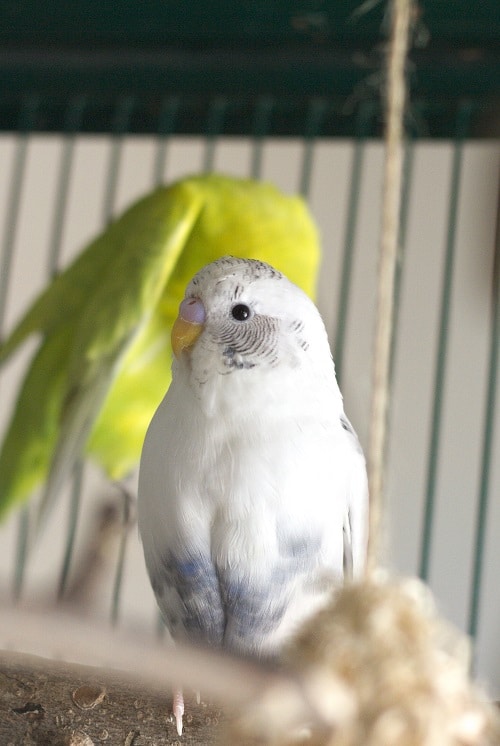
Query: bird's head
<point x="242" y="317"/>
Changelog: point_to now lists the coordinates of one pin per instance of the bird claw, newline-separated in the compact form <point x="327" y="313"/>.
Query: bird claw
<point x="178" y="723"/>
<point x="178" y="709"/>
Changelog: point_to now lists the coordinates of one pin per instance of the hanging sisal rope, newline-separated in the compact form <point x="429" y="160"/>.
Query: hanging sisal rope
<point x="389" y="244"/>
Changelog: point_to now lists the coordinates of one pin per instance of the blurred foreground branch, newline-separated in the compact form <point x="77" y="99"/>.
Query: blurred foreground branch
<point x="377" y="667"/>
<point x="35" y="693"/>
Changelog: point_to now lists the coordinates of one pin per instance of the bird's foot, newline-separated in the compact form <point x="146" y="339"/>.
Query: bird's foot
<point x="178" y="709"/>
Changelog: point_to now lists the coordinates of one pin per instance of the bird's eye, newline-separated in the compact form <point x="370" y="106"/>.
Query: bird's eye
<point x="240" y="312"/>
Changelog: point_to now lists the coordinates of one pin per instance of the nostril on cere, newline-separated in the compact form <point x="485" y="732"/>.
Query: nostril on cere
<point x="192" y="310"/>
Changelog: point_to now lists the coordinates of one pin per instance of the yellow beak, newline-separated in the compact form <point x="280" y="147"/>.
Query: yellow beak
<point x="184" y="335"/>
<point x="188" y="325"/>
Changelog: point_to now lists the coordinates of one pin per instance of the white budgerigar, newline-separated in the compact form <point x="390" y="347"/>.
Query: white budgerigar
<point x="252" y="486"/>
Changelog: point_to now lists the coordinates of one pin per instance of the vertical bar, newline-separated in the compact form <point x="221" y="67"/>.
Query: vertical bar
<point x="27" y="116"/>
<point x="488" y="439"/>
<point x="463" y="118"/>
<point x="118" y="582"/>
<point x="21" y="555"/>
<point x="72" y="124"/>
<point x="363" y="121"/>
<point x="315" y="115"/>
<point x="215" y="121"/>
<point x="261" y="124"/>
<point x="75" y="501"/>
<point x="120" y="126"/>
<point x="11" y="222"/>
<point x="168" y="116"/>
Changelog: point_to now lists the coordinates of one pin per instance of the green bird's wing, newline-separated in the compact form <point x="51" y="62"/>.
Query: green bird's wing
<point x="33" y="429"/>
<point x="88" y="316"/>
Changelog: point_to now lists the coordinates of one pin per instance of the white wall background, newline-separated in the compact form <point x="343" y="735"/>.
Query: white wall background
<point x="415" y="358"/>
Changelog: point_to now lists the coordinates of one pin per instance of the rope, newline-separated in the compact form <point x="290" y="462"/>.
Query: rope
<point x="389" y="243"/>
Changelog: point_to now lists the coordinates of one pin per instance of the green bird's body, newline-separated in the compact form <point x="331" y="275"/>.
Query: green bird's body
<point x="103" y="364"/>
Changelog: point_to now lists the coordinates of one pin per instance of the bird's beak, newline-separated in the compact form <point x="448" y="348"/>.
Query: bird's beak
<point x="188" y="325"/>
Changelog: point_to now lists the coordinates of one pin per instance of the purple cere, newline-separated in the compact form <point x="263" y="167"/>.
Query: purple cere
<point x="192" y="310"/>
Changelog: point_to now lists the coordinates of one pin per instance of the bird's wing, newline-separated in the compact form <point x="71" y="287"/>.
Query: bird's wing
<point x="356" y="519"/>
<point x="188" y="594"/>
<point x="146" y="243"/>
<point x="89" y="316"/>
<point x="255" y="608"/>
<point x="347" y="539"/>
<point x="33" y="429"/>
<point x="118" y="433"/>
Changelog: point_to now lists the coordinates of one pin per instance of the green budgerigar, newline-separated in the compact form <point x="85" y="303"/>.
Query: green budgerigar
<point x="103" y="363"/>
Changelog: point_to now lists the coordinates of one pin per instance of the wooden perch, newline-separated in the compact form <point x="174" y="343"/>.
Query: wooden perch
<point x="47" y="703"/>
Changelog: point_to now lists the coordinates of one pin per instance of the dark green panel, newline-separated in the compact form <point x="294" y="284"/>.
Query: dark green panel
<point x="226" y="21"/>
<point x="291" y="51"/>
<point x="185" y="21"/>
